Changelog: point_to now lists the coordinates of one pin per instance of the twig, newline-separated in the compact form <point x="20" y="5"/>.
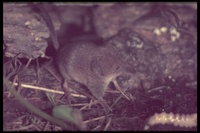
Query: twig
<point x="157" y="88"/>
<point x="94" y="119"/>
<point x="47" y="90"/>
<point x="117" y="86"/>
<point x="22" y="128"/>
<point x="52" y="73"/>
<point x="89" y="104"/>
<point x="45" y="126"/>
<point x="36" y="127"/>
<point x="116" y="100"/>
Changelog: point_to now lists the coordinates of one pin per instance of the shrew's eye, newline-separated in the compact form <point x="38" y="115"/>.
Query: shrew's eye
<point x="117" y="68"/>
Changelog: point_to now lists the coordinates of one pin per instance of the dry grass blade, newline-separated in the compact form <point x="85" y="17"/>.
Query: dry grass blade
<point x="107" y="125"/>
<point x="117" y="86"/>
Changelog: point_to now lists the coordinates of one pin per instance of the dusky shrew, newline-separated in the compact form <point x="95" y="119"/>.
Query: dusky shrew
<point x="94" y="66"/>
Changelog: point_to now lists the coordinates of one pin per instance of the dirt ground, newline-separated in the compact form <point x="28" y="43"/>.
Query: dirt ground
<point x="158" y="39"/>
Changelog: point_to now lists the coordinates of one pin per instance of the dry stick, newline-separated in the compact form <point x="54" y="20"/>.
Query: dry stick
<point x="57" y="92"/>
<point x="98" y="126"/>
<point x="116" y="100"/>
<point x="22" y="128"/>
<point x="107" y="125"/>
<point x="52" y="72"/>
<point x="45" y="126"/>
<point x="157" y="88"/>
<point x="15" y="64"/>
<point x="39" y="88"/>
<point x="10" y="63"/>
<point x="36" y="127"/>
<point x="47" y="90"/>
<point x="16" y="121"/>
<point x="29" y="61"/>
<point x="20" y="64"/>
<point x="57" y="128"/>
<point x="88" y="104"/>
<point x="117" y="86"/>
<point x="10" y="74"/>
<point x="14" y="71"/>
<point x="81" y="104"/>
<point x="94" y="119"/>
